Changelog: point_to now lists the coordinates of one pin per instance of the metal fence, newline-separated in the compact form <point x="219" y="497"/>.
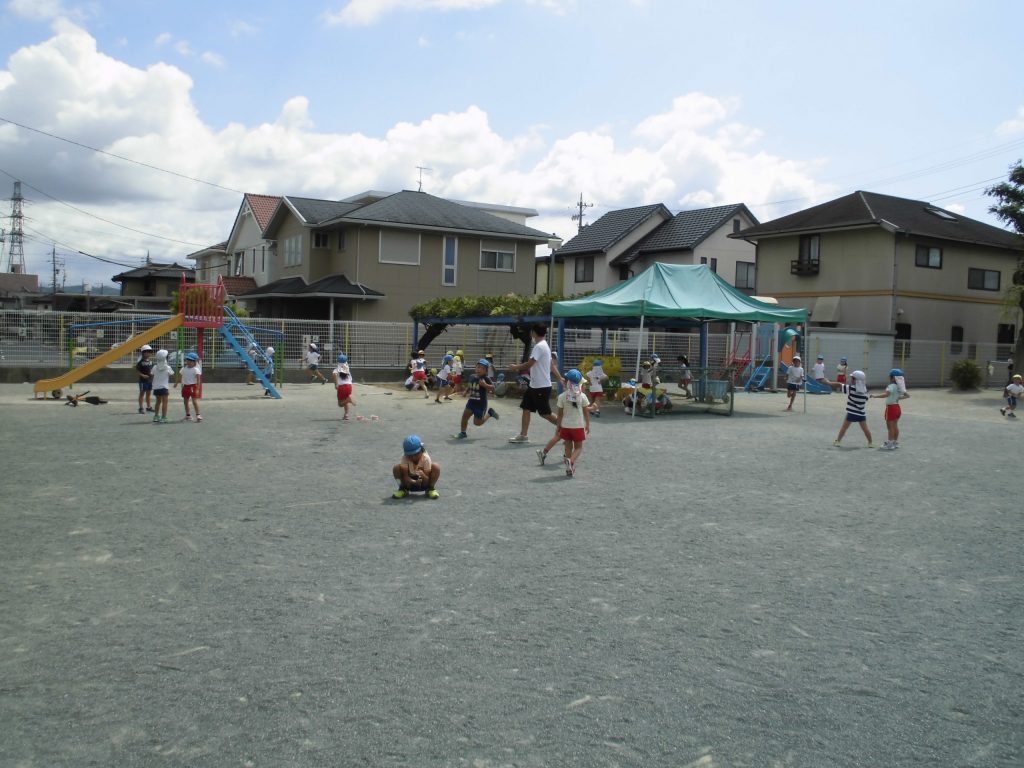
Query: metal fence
<point x="65" y="339"/>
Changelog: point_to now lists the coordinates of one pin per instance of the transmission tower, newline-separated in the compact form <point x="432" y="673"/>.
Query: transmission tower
<point x="578" y="216"/>
<point x="16" y="252"/>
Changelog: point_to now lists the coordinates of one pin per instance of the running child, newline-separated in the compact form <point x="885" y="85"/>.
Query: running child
<point x="794" y="380"/>
<point x="856" y="409"/>
<point x="311" y="360"/>
<point x="476" y="404"/>
<point x="162" y="373"/>
<point x="416" y="472"/>
<point x="444" y="379"/>
<point x="144" y="367"/>
<point x="685" y="375"/>
<point x="191" y="377"/>
<point x="596" y="378"/>
<point x="573" y="420"/>
<point x="1011" y="392"/>
<point x="893" y="394"/>
<point x="819" y="372"/>
<point x="343" y="384"/>
<point x="418" y="369"/>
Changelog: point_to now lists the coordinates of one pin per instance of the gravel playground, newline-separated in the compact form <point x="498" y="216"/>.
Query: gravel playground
<point x="707" y="592"/>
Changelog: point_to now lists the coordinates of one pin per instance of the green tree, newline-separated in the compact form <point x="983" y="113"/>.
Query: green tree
<point x="1009" y="208"/>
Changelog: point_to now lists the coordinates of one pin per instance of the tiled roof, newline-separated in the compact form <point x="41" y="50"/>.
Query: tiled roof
<point x="604" y="233"/>
<point x="684" y="231"/>
<point x="234" y="286"/>
<point x="332" y="285"/>
<point x="315" y="211"/>
<point x="262" y="207"/>
<point x="420" y="210"/>
<point x="915" y="217"/>
<point x="156" y="270"/>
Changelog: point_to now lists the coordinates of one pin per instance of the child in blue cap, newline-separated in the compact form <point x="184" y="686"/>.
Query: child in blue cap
<point x="476" y="404"/>
<point x="416" y="472"/>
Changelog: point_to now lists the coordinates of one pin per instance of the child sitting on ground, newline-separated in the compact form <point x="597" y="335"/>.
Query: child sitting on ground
<point x="416" y="473"/>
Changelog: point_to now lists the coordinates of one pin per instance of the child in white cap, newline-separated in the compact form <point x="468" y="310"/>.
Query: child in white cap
<point x="1012" y="391"/>
<point x="794" y="380"/>
<point x="856" y="409"/>
<point x="162" y="373"/>
<point x="144" y="367"/>
<point x="312" y="362"/>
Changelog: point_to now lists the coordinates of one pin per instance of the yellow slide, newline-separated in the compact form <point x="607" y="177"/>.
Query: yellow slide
<point x="112" y="355"/>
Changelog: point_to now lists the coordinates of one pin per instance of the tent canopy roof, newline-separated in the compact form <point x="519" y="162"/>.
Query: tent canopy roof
<point x="675" y="291"/>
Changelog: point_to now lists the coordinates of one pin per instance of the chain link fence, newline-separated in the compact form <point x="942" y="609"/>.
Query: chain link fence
<point x="37" y="339"/>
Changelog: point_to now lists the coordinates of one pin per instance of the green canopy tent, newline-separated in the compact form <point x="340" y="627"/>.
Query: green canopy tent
<point x="670" y="295"/>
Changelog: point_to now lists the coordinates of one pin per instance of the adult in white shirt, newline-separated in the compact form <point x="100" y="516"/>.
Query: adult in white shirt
<point x="538" y="396"/>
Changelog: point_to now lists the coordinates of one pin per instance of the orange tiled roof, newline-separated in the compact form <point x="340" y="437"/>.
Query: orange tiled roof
<point x="262" y="207"/>
<point x="233" y="286"/>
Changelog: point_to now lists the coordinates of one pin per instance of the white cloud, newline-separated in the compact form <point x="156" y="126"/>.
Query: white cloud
<point x="694" y="153"/>
<point x="163" y="39"/>
<point x="241" y="28"/>
<point x="1013" y="126"/>
<point x="213" y="59"/>
<point x="37" y="10"/>
<point x="361" y="13"/>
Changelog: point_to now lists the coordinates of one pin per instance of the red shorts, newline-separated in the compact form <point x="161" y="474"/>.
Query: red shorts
<point x="344" y="392"/>
<point x="841" y="378"/>
<point x="419" y="375"/>
<point x="893" y="412"/>
<point x="189" y="391"/>
<point x="577" y="435"/>
<point x="455" y="378"/>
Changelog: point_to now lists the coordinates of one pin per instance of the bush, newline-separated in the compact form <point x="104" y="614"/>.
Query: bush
<point x="966" y="374"/>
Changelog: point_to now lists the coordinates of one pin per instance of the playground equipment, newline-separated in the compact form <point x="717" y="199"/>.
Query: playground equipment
<point x="200" y="306"/>
<point x="789" y="345"/>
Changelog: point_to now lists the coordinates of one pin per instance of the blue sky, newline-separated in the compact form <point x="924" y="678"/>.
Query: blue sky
<point x="518" y="102"/>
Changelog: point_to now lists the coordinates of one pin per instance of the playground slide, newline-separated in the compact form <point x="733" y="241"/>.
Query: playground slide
<point x="110" y="356"/>
<point x="813" y="387"/>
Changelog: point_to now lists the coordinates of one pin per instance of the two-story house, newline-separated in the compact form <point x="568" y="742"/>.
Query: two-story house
<point x="151" y="286"/>
<point x="625" y="242"/>
<point x="883" y="264"/>
<point x="374" y="255"/>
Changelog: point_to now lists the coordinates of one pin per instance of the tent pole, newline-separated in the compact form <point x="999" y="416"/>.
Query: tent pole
<point x="636" y="376"/>
<point x="775" y="357"/>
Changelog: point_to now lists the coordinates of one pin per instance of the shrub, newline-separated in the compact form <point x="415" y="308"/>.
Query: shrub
<point x="966" y="374"/>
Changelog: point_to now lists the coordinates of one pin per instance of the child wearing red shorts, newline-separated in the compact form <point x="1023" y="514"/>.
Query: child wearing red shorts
<point x="191" y="377"/>
<point x="893" y="394"/>
<point x="343" y="384"/>
<point x="573" y="423"/>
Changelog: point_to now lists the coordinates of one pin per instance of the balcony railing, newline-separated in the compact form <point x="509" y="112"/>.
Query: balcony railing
<point x="803" y="268"/>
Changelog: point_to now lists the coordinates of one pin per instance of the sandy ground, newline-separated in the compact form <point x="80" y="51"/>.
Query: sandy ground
<point x="708" y="591"/>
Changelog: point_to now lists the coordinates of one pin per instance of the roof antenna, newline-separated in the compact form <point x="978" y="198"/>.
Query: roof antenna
<point x="580" y="206"/>
<point x="421" y="169"/>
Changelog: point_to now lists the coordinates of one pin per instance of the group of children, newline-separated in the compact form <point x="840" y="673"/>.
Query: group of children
<point x="154" y="377"/>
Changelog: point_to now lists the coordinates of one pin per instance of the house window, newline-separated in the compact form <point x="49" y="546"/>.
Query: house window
<point x="902" y="349"/>
<point x="956" y="339"/>
<point x="983" y="279"/>
<point x="1005" y="336"/>
<point x="713" y="264"/>
<point x="584" y="269"/>
<point x="239" y="262"/>
<point x="625" y="272"/>
<point x="321" y="240"/>
<point x="808" y="256"/>
<point x="450" y="260"/>
<point x="399" y="247"/>
<point x="293" y="251"/>
<point x="928" y="256"/>
<point x="746" y="274"/>
<point x="341" y="240"/>
<point x="498" y="256"/>
<point x="263" y="258"/>
<point x="736" y="226"/>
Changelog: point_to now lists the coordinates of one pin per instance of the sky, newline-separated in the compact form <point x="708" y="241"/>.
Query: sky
<point x="135" y="126"/>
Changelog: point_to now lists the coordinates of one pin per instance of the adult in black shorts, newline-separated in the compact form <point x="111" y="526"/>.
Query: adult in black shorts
<point x="538" y="397"/>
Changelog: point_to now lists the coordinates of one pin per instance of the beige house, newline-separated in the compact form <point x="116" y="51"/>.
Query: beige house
<point x="625" y="242"/>
<point x="883" y="264"/>
<point x="373" y="256"/>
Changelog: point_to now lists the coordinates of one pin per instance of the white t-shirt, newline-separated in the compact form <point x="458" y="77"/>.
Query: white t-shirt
<point x="162" y="376"/>
<point x="540" y="371"/>
<point x="446" y="371"/>
<point x="190" y="375"/>
<point x="342" y="374"/>
<point x="595" y="377"/>
<point x="572" y="418"/>
<point x="1013" y="390"/>
<point x="795" y="374"/>
<point x="312" y="358"/>
<point x="819" y="371"/>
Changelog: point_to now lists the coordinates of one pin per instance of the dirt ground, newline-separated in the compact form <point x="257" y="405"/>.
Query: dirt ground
<point x="707" y="592"/>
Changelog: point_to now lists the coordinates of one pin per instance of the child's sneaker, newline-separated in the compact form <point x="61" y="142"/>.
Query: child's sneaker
<point x="345" y="417"/>
<point x="871" y="445"/>
<point x="460" y="436"/>
<point x="163" y="419"/>
<point x="188" y="417"/>
<point x="156" y="419"/>
<point x="432" y="494"/>
<point x="570" y="468"/>
<point x="140" y="409"/>
<point x="542" y="455"/>
<point x="1002" y="411"/>
<point x="198" y="417"/>
<point x="492" y="413"/>
<point x="835" y="443"/>
<point x="149" y="410"/>
<point x="519" y="439"/>
<point x="401" y="493"/>
<point x="597" y="414"/>
<point x="1012" y="415"/>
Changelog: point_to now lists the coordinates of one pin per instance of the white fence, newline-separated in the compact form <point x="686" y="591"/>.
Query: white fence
<point x="63" y="339"/>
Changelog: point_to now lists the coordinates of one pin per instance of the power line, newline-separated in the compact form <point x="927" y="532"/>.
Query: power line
<point x="121" y="157"/>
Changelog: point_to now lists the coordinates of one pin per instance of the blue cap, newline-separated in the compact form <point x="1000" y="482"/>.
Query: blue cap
<point x="412" y="445"/>
<point x="342" y="358"/>
<point x="447" y="358"/>
<point x="574" y="376"/>
<point x="483" y="361"/>
<point x="192" y="356"/>
<point x="654" y="356"/>
<point x="598" y="362"/>
<point x="896" y="372"/>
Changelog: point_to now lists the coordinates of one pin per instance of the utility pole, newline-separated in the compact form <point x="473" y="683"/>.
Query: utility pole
<point x="16" y="254"/>
<point x="578" y="216"/>
<point x="53" y="260"/>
